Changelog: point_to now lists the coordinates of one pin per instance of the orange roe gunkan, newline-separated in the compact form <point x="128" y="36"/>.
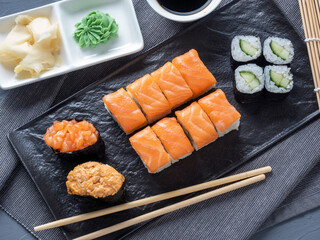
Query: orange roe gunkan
<point x="71" y="135"/>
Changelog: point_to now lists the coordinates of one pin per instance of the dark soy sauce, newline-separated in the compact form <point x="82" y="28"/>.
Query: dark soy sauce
<point x="184" y="7"/>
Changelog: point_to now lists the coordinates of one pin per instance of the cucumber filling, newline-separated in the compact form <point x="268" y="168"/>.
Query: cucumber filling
<point x="251" y="79"/>
<point x="247" y="48"/>
<point x="279" y="79"/>
<point x="279" y="50"/>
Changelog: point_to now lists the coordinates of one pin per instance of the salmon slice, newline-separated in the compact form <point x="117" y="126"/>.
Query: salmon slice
<point x="172" y="85"/>
<point x="224" y="116"/>
<point x="173" y="138"/>
<point x="197" y="125"/>
<point x="192" y="69"/>
<point x="149" y="148"/>
<point x="149" y="96"/>
<point x="124" y="110"/>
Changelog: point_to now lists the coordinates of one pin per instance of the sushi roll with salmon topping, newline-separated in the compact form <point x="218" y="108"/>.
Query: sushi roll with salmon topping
<point x="151" y="152"/>
<point x="197" y="125"/>
<point x="173" y="138"/>
<point x="223" y="115"/>
<point x="172" y="85"/>
<point x="194" y="72"/>
<point x="124" y="111"/>
<point x="149" y="96"/>
<point x="72" y="138"/>
<point x="96" y="180"/>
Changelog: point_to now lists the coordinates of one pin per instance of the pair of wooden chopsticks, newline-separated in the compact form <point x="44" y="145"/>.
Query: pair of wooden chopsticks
<point x="310" y="15"/>
<point x="241" y="179"/>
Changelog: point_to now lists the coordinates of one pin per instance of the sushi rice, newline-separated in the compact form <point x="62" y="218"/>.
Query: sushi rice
<point x="160" y="168"/>
<point x="241" y="84"/>
<point x="234" y="126"/>
<point x="271" y="57"/>
<point x="177" y="160"/>
<point x="238" y="54"/>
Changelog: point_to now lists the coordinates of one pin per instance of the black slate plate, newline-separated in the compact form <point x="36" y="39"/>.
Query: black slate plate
<point x="262" y="124"/>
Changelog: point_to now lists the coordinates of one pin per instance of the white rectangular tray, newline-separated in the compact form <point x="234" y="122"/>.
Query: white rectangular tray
<point x="67" y="14"/>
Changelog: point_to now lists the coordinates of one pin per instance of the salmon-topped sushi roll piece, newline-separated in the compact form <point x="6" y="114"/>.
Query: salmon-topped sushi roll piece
<point x="149" y="148"/>
<point x="149" y="96"/>
<point x="172" y="85"/>
<point x="124" y="110"/>
<point x="173" y="138"/>
<point x="196" y="74"/>
<point x="197" y="125"/>
<point x="224" y="116"/>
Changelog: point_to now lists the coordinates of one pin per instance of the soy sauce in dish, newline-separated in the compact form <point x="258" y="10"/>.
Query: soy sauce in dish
<point x="184" y="7"/>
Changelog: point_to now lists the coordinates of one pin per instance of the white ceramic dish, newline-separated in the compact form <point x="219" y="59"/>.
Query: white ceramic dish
<point x="184" y="18"/>
<point x="67" y="14"/>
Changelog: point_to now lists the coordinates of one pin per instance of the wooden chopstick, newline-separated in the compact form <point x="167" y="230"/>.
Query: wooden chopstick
<point x="310" y="18"/>
<point x="153" y="199"/>
<point x="172" y="208"/>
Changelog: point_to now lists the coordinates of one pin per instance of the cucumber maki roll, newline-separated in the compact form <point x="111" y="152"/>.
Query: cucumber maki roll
<point x="245" y="49"/>
<point x="278" y="50"/>
<point x="74" y="139"/>
<point x="278" y="81"/>
<point x="96" y="180"/>
<point x="249" y="83"/>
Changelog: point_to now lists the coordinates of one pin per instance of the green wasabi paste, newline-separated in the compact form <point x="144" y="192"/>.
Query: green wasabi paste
<point x="97" y="27"/>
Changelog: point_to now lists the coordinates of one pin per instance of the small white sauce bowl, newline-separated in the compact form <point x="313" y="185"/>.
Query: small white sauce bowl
<point x="184" y="18"/>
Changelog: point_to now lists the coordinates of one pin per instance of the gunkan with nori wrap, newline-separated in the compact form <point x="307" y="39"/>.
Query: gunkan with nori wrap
<point x="97" y="180"/>
<point x="72" y="138"/>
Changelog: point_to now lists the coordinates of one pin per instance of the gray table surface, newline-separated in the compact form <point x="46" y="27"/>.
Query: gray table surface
<point x="303" y="227"/>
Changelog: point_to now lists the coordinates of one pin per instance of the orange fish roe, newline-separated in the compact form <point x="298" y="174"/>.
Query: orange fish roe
<point x="70" y="136"/>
